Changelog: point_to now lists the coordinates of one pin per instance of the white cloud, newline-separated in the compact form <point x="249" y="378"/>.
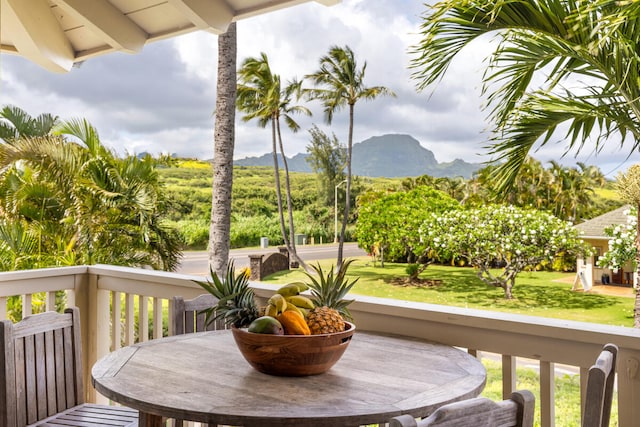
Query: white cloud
<point x="162" y="99"/>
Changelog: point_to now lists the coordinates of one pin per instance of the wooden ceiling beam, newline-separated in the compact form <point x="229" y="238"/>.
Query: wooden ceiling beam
<point x="107" y="23"/>
<point x="36" y="34"/>
<point x="214" y="16"/>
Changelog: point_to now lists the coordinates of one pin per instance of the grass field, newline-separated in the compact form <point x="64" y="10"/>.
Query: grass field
<point x="546" y="294"/>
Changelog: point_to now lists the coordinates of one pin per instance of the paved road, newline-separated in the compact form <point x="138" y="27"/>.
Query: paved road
<point x="196" y="262"/>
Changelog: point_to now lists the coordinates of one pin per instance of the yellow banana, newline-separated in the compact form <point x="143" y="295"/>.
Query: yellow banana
<point x="271" y="310"/>
<point x="301" y="286"/>
<point x="289" y="290"/>
<point x="300" y="301"/>
<point x="279" y="302"/>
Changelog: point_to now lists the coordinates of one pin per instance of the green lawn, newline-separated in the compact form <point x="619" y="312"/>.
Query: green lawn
<point x="543" y="294"/>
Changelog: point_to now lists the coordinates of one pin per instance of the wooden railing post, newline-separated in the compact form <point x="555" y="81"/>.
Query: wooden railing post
<point x="94" y="313"/>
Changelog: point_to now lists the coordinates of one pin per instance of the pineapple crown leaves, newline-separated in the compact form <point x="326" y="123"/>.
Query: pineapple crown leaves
<point x="331" y="287"/>
<point x="236" y="300"/>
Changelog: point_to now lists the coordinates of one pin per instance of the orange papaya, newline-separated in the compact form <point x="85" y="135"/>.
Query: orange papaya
<point x="293" y="323"/>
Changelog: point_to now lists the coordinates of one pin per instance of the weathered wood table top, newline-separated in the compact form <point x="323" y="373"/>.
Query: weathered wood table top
<point x="203" y="377"/>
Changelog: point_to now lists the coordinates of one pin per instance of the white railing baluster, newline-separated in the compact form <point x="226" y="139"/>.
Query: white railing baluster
<point x="50" y="301"/>
<point x="3" y="308"/>
<point x="27" y="309"/>
<point x="129" y="319"/>
<point x="508" y="375"/>
<point x="116" y="319"/>
<point x="157" y="317"/>
<point x="143" y="318"/>
<point x="547" y="394"/>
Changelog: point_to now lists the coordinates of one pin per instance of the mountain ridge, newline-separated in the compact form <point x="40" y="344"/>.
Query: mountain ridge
<point x="389" y="155"/>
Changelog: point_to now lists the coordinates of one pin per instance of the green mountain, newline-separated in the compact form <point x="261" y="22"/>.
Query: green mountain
<point x="391" y="156"/>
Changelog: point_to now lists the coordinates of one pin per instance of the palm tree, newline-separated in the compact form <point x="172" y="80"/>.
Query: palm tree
<point x="340" y="83"/>
<point x="580" y="54"/>
<point x="262" y="97"/>
<point x="224" y="141"/>
<point x="16" y="123"/>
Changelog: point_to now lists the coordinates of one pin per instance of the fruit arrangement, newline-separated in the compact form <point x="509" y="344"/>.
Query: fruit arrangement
<point x="288" y="311"/>
<point x="294" y="334"/>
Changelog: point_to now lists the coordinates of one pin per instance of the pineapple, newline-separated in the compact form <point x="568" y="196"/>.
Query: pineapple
<point x="327" y="293"/>
<point x="236" y="300"/>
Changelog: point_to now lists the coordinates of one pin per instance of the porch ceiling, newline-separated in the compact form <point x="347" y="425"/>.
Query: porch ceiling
<point x="55" y="34"/>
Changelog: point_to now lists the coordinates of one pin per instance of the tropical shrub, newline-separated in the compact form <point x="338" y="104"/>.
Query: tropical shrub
<point x="390" y="222"/>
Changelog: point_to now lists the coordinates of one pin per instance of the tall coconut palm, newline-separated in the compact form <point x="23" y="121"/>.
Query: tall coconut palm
<point x="224" y="141"/>
<point x="261" y="96"/>
<point x="339" y="83"/>
<point x="557" y="63"/>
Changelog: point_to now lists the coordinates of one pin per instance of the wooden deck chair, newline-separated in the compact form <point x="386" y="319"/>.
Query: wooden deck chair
<point x="41" y="377"/>
<point x="480" y="411"/>
<point x="599" y="393"/>
<point x="186" y="318"/>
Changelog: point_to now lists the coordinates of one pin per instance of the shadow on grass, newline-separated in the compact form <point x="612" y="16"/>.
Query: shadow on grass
<point x="464" y="286"/>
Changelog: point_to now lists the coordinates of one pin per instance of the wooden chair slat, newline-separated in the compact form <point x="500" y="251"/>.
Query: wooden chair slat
<point x="7" y="374"/>
<point x="30" y="378"/>
<point x="61" y="394"/>
<point x="50" y="363"/>
<point x="68" y="368"/>
<point x="42" y="380"/>
<point x="92" y="415"/>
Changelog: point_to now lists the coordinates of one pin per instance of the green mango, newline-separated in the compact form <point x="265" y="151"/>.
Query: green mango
<point x="266" y="325"/>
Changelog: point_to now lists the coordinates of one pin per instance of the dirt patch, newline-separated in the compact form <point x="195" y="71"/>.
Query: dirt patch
<point x="416" y="283"/>
<point x="618" y="291"/>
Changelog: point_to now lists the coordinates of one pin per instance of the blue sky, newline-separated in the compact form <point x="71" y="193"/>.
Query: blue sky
<point x="162" y="100"/>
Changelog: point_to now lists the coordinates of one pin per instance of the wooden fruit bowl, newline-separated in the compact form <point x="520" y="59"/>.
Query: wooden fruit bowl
<point x="293" y="355"/>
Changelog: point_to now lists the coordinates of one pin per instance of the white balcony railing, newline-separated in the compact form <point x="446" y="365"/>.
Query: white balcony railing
<point x="107" y="294"/>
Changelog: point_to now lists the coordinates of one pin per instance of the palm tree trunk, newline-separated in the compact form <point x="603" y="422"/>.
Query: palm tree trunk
<point x="224" y="139"/>
<point x="276" y="176"/>
<point x="636" y="307"/>
<point x="292" y="244"/>
<point x="347" y="202"/>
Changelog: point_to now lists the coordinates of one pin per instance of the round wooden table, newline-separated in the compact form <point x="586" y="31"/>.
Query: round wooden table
<point x="203" y="377"/>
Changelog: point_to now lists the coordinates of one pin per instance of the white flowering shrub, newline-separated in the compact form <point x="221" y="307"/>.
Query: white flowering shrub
<point x="622" y="247"/>
<point x="500" y="241"/>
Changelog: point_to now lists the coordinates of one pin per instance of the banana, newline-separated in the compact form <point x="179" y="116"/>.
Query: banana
<point x="301" y="286"/>
<point x="271" y="310"/>
<point x="300" y="301"/>
<point x="279" y="302"/>
<point x="289" y="290"/>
